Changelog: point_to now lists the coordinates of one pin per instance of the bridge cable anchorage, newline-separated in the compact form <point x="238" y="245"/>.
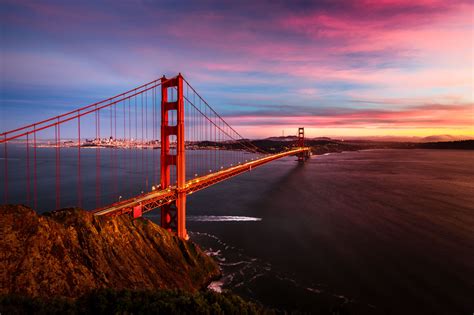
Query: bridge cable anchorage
<point x="157" y="154"/>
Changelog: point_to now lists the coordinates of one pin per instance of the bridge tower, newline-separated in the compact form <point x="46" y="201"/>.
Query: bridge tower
<point x="300" y="143"/>
<point x="173" y="216"/>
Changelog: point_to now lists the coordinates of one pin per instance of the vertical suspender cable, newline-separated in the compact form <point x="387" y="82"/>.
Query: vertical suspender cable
<point x="136" y="135"/>
<point x="110" y="145"/>
<point x="146" y="140"/>
<point x="153" y="135"/>
<point x="115" y="148"/>
<point x="128" y="158"/>
<point x="6" y="169"/>
<point x="141" y="106"/>
<point x="79" y="185"/>
<point x="28" y="183"/>
<point x="35" y="189"/>
<point x="57" y="168"/>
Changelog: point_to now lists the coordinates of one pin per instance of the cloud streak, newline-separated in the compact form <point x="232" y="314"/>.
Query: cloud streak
<point x="426" y="116"/>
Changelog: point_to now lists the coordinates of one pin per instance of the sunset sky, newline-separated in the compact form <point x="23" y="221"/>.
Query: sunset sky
<point x="339" y="68"/>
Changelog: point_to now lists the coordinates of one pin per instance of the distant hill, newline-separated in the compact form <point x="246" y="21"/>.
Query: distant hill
<point x="321" y="138"/>
<point x="293" y="138"/>
<point x="450" y="145"/>
<point x="441" y="138"/>
<point x="282" y="138"/>
<point x="413" y="139"/>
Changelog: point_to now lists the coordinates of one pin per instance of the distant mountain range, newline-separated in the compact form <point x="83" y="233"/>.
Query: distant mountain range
<point x="293" y="138"/>
<point x="433" y="138"/>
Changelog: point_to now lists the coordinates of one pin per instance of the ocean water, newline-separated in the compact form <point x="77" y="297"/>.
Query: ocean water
<point x="381" y="231"/>
<point x="378" y="231"/>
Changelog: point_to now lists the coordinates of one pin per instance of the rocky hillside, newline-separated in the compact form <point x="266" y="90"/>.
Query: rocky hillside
<point x="71" y="252"/>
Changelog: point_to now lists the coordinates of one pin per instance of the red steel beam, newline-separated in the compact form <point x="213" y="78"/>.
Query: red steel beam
<point x="155" y="199"/>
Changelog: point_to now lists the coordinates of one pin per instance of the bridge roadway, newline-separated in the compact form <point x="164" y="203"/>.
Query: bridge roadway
<point x="157" y="198"/>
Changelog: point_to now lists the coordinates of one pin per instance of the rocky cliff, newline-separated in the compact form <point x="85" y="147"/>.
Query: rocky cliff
<point x="71" y="252"/>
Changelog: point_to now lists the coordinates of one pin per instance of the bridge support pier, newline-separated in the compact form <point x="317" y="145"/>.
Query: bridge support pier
<point x="173" y="216"/>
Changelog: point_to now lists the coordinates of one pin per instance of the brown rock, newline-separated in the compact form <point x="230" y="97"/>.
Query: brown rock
<point x="70" y="252"/>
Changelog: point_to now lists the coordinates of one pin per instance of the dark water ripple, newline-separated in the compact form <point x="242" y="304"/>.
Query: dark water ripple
<point x="383" y="231"/>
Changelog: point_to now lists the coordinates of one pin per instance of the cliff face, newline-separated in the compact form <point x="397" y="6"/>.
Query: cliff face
<point x="71" y="252"/>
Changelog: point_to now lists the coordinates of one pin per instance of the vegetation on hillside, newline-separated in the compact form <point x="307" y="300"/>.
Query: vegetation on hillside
<point x="107" y="301"/>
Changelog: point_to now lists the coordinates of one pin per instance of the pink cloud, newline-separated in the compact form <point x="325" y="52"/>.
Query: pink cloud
<point x="427" y="116"/>
<point x="392" y="54"/>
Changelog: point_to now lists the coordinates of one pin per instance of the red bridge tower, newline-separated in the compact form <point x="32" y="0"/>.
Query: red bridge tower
<point x="303" y="156"/>
<point x="173" y="216"/>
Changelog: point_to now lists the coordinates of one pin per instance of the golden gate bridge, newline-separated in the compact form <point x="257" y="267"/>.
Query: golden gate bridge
<point x="166" y="114"/>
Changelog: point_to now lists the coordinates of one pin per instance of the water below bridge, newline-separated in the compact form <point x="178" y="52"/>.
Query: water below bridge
<point x="383" y="231"/>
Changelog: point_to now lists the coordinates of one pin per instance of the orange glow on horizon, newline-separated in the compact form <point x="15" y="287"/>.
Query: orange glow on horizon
<point x="313" y="132"/>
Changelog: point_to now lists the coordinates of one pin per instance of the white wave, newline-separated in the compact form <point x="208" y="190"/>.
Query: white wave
<point x="314" y="290"/>
<point x="216" y="286"/>
<point x="235" y="263"/>
<point x="210" y="252"/>
<point x="220" y="218"/>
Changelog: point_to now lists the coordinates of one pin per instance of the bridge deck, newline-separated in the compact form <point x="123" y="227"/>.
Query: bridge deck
<point x="157" y="198"/>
